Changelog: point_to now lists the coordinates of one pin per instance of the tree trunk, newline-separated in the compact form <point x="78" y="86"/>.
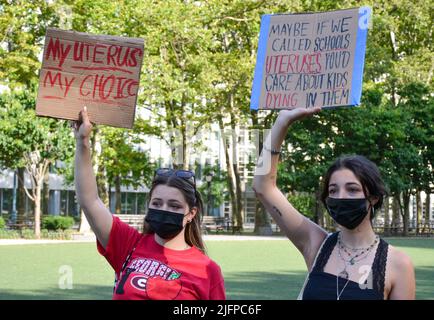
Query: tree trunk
<point x="184" y="132"/>
<point x="427" y="211"/>
<point x="238" y="190"/>
<point x="229" y="170"/>
<point x="118" y="198"/>
<point x="172" y="125"/>
<point x="185" y="153"/>
<point x="396" y="217"/>
<point x="101" y="181"/>
<point x="45" y="200"/>
<point x="406" y="213"/>
<point x="418" y="211"/>
<point x="173" y="150"/>
<point x="319" y="213"/>
<point x="21" y="199"/>
<point x="99" y="168"/>
<point x="262" y="219"/>
<point x="394" y="48"/>
<point x="386" y="224"/>
<point x="37" y="198"/>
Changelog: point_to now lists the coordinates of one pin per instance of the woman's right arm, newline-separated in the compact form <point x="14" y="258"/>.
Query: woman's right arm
<point x="303" y="233"/>
<point x="99" y="217"/>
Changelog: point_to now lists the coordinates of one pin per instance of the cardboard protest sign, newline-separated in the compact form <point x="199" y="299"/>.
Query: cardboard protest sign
<point x="310" y="59"/>
<point x="99" y="71"/>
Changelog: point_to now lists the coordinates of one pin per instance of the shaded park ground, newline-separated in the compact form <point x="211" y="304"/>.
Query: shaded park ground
<point x="254" y="269"/>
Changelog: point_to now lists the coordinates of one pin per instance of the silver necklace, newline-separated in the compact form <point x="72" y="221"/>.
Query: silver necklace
<point x="358" y="256"/>
<point x="353" y="260"/>
<point x="338" y="294"/>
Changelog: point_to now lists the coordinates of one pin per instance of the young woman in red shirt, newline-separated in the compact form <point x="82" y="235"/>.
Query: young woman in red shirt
<point x="168" y="260"/>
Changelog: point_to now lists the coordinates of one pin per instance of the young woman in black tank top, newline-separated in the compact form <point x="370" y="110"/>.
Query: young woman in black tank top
<point x="353" y="263"/>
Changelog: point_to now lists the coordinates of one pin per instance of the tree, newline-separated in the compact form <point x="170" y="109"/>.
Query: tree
<point x="215" y="191"/>
<point x="31" y="142"/>
<point x="399" y="56"/>
<point x="178" y="73"/>
<point x="125" y="163"/>
<point x="22" y="26"/>
<point x="234" y="24"/>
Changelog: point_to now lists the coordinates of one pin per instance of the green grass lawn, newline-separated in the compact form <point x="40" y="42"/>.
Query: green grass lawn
<point x="252" y="269"/>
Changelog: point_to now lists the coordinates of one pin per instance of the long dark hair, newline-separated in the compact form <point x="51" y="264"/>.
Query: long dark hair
<point x="193" y="231"/>
<point x="365" y="171"/>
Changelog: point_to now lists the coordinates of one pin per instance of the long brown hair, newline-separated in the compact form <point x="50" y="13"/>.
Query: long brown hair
<point x="193" y="231"/>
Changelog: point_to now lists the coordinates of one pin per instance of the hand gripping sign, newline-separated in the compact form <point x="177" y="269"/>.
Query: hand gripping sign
<point x="99" y="71"/>
<point x="310" y="60"/>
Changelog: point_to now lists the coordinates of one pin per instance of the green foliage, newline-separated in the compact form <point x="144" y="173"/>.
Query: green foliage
<point x="30" y="234"/>
<point x="304" y="203"/>
<point x="9" y="234"/>
<point x="2" y="223"/>
<point x="23" y="132"/>
<point x="56" y="235"/>
<point x="393" y="125"/>
<point x="197" y="69"/>
<point x="27" y="234"/>
<point x="57" y="222"/>
<point x="22" y="29"/>
<point x="218" y="186"/>
<point x="123" y="158"/>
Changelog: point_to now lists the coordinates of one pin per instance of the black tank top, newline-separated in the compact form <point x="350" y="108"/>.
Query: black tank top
<point x="322" y="285"/>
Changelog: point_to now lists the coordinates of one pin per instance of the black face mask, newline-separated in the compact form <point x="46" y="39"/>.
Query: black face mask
<point x="166" y="224"/>
<point x="347" y="212"/>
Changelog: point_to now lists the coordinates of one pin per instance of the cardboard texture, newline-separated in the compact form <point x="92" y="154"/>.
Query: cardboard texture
<point x="310" y="59"/>
<point x="98" y="71"/>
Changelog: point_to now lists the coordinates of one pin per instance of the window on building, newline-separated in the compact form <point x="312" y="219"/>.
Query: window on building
<point x="133" y="197"/>
<point x="54" y="199"/>
<point x="141" y="203"/>
<point x="73" y="204"/>
<point x="249" y="209"/>
<point x="30" y="205"/>
<point x="127" y="202"/>
<point x="6" y="201"/>
<point x="68" y="203"/>
<point x="228" y="210"/>
<point x="64" y="202"/>
<point x="432" y="210"/>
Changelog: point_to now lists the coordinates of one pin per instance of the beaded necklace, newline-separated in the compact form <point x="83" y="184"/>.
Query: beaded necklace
<point x="359" y="256"/>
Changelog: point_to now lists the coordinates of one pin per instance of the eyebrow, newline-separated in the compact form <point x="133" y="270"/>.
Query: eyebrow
<point x="170" y="200"/>
<point x="347" y="184"/>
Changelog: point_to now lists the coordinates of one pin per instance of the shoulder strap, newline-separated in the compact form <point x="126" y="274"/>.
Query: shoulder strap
<point x="379" y="266"/>
<point x="300" y="295"/>
<point x="325" y="252"/>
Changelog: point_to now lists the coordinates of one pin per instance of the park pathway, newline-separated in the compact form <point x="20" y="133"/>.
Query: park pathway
<point x="91" y="238"/>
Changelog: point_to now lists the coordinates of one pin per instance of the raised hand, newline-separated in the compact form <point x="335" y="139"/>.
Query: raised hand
<point x="83" y="126"/>
<point x="290" y="116"/>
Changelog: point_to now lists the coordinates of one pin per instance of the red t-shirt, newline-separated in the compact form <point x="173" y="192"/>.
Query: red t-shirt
<point x="158" y="273"/>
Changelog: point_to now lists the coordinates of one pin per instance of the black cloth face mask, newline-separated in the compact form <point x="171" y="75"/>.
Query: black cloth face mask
<point x="166" y="224"/>
<point x="347" y="212"/>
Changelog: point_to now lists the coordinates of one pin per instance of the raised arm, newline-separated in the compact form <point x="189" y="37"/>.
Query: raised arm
<point x="305" y="234"/>
<point x="98" y="216"/>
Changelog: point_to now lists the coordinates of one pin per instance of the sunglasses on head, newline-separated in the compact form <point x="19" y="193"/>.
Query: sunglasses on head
<point x="184" y="174"/>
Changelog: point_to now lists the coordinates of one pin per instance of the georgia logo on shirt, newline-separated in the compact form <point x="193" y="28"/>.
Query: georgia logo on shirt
<point x="155" y="278"/>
